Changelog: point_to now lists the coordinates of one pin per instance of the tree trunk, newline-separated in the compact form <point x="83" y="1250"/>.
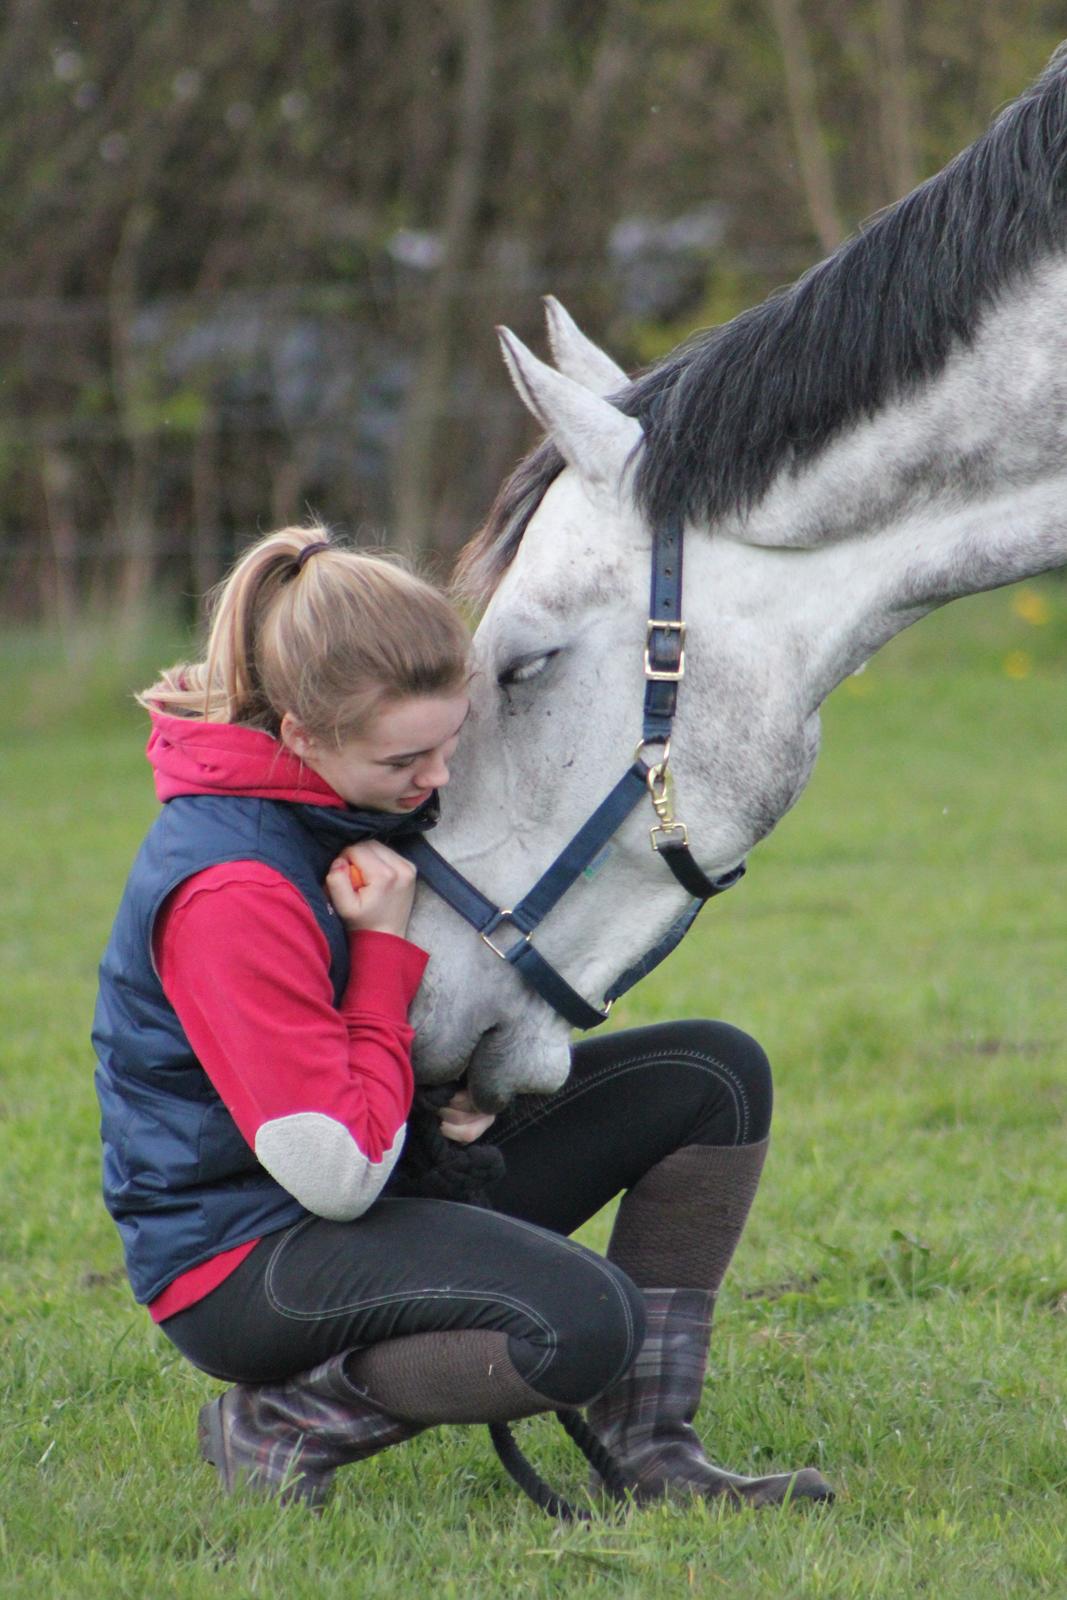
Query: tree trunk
<point x="894" y="101"/>
<point x="60" y="591"/>
<point x="135" y="511"/>
<point x="814" y="162"/>
<point x="427" y="396"/>
<point x="206" y="556"/>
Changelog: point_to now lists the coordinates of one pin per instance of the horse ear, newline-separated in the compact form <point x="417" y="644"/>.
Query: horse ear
<point x="593" y="437"/>
<point x="578" y="357"/>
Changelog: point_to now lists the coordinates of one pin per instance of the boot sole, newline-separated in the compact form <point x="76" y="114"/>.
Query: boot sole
<point x="788" y="1488"/>
<point x="211" y="1438"/>
<point x="299" y="1489"/>
<point x="807" y="1486"/>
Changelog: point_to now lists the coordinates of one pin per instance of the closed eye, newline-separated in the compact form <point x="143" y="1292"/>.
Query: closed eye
<point x="525" y="668"/>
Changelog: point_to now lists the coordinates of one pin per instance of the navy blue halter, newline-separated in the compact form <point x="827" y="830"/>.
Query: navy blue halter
<point x="664" y="664"/>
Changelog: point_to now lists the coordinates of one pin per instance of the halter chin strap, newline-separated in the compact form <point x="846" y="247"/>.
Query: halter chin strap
<point x="664" y="669"/>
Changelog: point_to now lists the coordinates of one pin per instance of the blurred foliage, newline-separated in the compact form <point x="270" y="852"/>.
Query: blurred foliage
<point x="253" y="254"/>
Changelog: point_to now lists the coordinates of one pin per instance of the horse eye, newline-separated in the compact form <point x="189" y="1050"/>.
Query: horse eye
<point x="525" y="668"/>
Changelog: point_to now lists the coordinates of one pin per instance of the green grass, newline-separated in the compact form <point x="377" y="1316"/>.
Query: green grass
<point x="897" y="1313"/>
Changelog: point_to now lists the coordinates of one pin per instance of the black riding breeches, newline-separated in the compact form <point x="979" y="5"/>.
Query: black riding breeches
<point x="574" y="1320"/>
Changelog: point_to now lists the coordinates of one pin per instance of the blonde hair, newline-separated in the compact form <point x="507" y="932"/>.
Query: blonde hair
<point x="328" y="634"/>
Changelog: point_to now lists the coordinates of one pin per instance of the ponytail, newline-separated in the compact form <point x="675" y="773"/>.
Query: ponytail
<point x="304" y="625"/>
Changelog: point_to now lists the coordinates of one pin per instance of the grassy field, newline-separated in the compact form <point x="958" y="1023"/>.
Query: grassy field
<point x="897" y="1313"/>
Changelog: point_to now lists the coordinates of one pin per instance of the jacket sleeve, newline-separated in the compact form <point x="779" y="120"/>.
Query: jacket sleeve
<point x="320" y="1093"/>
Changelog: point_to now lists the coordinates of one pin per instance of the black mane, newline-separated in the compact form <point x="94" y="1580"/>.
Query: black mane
<point x="735" y="405"/>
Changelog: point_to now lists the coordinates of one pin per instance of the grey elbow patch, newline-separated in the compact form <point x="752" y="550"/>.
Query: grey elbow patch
<point x="318" y="1161"/>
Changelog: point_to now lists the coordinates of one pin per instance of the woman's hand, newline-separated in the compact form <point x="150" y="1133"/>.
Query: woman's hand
<point x="382" y="904"/>
<point x="462" y="1121"/>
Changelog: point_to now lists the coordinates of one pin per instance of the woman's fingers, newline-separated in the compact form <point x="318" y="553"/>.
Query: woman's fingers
<point x="461" y="1121"/>
<point x="377" y="863"/>
<point x="466" y="1132"/>
<point x="371" y="887"/>
<point x="341" y="890"/>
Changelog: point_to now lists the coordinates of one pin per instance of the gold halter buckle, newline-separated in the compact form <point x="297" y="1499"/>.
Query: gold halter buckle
<point x="664" y="674"/>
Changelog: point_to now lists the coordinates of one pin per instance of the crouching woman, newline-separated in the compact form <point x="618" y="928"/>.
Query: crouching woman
<point x="255" y="1079"/>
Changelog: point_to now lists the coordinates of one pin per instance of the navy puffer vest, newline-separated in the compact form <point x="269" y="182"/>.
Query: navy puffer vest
<point x="179" y="1179"/>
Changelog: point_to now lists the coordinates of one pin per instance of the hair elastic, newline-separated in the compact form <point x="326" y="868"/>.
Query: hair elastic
<point x="310" y="550"/>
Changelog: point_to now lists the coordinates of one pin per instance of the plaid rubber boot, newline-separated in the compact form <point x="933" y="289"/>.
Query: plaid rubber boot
<point x="287" y="1439"/>
<point x="645" y="1419"/>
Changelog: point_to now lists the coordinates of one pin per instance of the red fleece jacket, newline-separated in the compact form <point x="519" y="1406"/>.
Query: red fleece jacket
<point x="246" y="967"/>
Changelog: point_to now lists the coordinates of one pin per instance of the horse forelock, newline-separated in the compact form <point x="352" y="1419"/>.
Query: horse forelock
<point x="486" y="557"/>
<point x="736" y="405"/>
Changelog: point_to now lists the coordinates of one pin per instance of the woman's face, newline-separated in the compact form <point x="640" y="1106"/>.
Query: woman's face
<point x="397" y="761"/>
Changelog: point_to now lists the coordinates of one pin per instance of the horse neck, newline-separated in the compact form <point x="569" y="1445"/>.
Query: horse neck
<point x="958" y="486"/>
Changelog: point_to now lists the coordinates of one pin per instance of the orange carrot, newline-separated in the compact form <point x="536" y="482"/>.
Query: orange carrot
<point x="356" y="878"/>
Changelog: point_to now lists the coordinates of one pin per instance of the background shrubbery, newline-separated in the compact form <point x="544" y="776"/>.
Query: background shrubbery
<point x="251" y="253"/>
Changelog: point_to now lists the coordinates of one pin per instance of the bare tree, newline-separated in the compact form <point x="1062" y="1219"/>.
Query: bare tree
<point x="427" y="396"/>
<point x="206" y="315"/>
<point x="808" y="137"/>
<point x="895" y="100"/>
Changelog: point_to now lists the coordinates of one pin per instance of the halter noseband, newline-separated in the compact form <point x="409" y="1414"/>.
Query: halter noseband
<point x="664" y="666"/>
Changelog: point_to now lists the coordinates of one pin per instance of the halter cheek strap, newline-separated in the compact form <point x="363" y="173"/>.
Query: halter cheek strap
<point x="664" y="665"/>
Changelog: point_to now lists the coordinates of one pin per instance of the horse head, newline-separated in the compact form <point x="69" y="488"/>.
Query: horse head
<point x="557" y="689"/>
<point x="886" y="435"/>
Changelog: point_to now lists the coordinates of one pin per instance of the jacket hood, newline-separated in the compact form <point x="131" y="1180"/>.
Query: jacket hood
<point x="220" y="758"/>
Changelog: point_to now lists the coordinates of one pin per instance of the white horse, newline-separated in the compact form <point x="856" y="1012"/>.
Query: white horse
<point x="883" y="437"/>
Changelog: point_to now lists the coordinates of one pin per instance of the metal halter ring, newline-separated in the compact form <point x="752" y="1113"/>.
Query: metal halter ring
<point x="485" y="935"/>
<point x="664" y="758"/>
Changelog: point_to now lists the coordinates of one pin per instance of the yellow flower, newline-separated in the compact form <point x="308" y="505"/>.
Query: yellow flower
<point x="1018" y="664"/>
<point x="1031" y="607"/>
